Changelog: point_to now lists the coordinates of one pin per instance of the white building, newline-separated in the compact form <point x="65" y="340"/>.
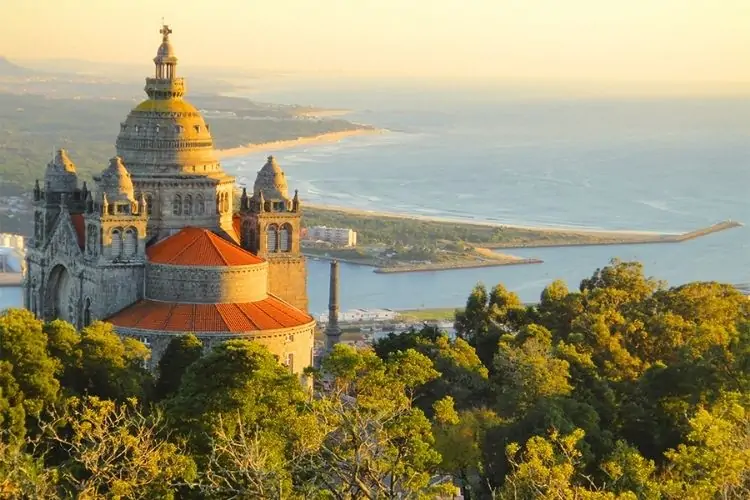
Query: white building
<point x="12" y="253"/>
<point x="339" y="236"/>
<point x="362" y="315"/>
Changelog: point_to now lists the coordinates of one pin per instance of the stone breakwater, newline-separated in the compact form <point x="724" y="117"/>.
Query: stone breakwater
<point x="597" y="238"/>
<point x="453" y="265"/>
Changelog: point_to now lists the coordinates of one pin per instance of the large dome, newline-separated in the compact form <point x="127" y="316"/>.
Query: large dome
<point x="166" y="134"/>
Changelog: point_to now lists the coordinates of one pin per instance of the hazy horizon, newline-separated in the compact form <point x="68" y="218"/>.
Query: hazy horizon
<point x="702" y="42"/>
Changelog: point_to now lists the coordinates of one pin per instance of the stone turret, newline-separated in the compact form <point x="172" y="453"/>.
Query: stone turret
<point x="272" y="181"/>
<point x="270" y="227"/>
<point x="333" y="332"/>
<point x="60" y="176"/>
<point x="116" y="183"/>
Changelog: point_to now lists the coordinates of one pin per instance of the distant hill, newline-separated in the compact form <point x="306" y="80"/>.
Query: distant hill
<point x="8" y="68"/>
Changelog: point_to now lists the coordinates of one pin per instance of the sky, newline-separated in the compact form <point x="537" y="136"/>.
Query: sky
<point x="601" y="40"/>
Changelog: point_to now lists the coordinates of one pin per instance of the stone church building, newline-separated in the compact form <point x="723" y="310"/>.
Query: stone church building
<point x="157" y="248"/>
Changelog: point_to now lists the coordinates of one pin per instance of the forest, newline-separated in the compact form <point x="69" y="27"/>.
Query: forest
<point x="623" y="388"/>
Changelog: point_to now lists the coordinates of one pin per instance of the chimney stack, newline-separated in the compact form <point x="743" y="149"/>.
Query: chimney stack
<point x="333" y="332"/>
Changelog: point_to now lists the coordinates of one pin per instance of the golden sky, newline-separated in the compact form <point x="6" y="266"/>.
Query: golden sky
<point x="624" y="40"/>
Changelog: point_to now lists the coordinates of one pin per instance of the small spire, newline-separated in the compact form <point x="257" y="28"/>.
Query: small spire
<point x="142" y="204"/>
<point x="261" y="202"/>
<point x="105" y="204"/>
<point x="243" y="199"/>
<point x="295" y="201"/>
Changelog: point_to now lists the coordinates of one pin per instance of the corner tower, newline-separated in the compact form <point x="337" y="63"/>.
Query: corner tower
<point x="167" y="147"/>
<point x="270" y="225"/>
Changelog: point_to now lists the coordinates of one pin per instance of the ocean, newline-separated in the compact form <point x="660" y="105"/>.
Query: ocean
<point x="648" y="164"/>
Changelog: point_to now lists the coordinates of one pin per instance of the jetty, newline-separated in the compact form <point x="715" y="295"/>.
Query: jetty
<point x="599" y="238"/>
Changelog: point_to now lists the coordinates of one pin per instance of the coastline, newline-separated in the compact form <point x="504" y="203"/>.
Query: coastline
<point x="606" y="237"/>
<point x="447" y="266"/>
<point x="316" y="140"/>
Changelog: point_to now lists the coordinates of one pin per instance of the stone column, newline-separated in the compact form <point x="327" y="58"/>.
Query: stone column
<point x="333" y="332"/>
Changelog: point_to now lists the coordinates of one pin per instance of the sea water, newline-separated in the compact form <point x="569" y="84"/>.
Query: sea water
<point x="651" y="164"/>
<point x="647" y="164"/>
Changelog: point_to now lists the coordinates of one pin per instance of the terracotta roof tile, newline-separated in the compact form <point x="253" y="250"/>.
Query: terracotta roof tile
<point x="80" y="228"/>
<point x="194" y="246"/>
<point x="268" y="314"/>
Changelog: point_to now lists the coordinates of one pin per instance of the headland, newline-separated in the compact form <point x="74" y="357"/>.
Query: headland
<point x="397" y="243"/>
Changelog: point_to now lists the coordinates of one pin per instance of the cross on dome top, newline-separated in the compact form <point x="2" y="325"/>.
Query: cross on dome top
<point x="165" y="32"/>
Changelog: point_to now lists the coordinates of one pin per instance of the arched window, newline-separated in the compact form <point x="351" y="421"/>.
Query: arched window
<point x="187" y="206"/>
<point x="224" y="203"/>
<point x="115" y="249"/>
<point x="285" y="238"/>
<point x="149" y="203"/>
<point x="200" y="205"/>
<point x="177" y="205"/>
<point x="130" y="243"/>
<point x="87" y="312"/>
<point x="272" y="238"/>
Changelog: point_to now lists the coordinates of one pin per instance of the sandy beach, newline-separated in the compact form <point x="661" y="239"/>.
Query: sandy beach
<point x="316" y="140"/>
<point x="598" y="232"/>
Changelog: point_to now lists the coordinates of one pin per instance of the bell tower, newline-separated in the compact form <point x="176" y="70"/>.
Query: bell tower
<point x="270" y="228"/>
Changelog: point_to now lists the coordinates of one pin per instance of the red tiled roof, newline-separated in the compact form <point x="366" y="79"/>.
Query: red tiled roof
<point x="80" y="228"/>
<point x="268" y="314"/>
<point x="194" y="246"/>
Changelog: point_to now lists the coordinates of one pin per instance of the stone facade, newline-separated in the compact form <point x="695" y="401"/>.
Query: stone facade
<point x="158" y="236"/>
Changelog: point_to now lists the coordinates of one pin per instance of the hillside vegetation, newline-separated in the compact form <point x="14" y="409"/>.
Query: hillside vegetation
<point x="621" y="389"/>
<point x="32" y="126"/>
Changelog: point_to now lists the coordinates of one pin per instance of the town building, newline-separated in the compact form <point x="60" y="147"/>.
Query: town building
<point x="337" y="236"/>
<point x="360" y="315"/>
<point x="156" y="247"/>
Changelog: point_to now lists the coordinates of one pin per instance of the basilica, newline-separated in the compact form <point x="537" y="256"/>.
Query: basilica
<point x="156" y="246"/>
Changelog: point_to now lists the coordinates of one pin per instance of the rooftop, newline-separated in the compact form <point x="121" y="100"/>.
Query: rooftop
<point x="268" y="314"/>
<point x="193" y="246"/>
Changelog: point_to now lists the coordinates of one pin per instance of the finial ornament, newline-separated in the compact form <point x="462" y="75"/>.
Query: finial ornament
<point x="165" y="31"/>
<point x="261" y="201"/>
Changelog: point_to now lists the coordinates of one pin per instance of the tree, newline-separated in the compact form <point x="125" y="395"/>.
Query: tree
<point x="527" y="370"/>
<point x="27" y="372"/>
<point x="459" y="438"/>
<point x="115" y="451"/>
<point x="236" y="396"/>
<point x="181" y="352"/>
<point x="715" y="460"/>
<point x="376" y="444"/>
<point x="463" y="377"/>
<point x="23" y="475"/>
<point x="107" y="365"/>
